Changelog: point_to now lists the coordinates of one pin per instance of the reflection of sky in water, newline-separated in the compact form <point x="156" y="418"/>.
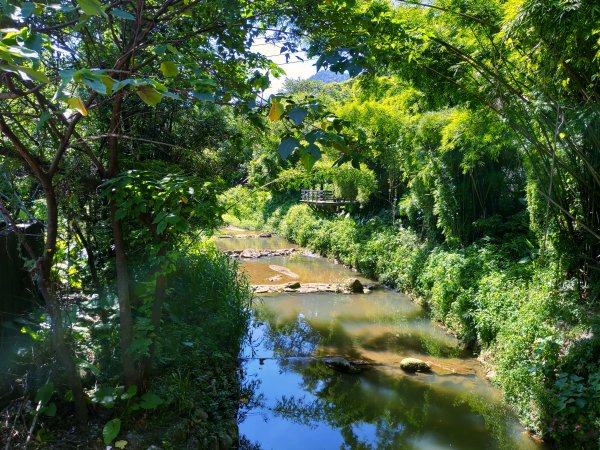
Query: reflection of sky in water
<point x="307" y="405"/>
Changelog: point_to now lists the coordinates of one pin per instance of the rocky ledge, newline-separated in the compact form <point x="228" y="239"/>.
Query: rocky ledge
<point x="244" y="236"/>
<point x="251" y="253"/>
<point x="350" y="286"/>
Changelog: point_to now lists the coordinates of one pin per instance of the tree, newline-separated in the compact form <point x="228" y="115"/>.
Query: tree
<point x="535" y="64"/>
<point x="101" y="61"/>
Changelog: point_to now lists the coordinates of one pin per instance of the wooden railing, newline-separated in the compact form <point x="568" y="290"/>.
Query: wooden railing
<point x="314" y="195"/>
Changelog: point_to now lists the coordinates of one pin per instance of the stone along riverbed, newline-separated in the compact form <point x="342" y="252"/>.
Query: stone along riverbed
<point x="323" y="370"/>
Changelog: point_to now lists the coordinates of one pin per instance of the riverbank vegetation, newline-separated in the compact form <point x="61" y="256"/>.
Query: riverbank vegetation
<point x="466" y="142"/>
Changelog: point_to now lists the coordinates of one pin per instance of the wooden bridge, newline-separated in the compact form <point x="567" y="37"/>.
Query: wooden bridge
<point x="323" y="199"/>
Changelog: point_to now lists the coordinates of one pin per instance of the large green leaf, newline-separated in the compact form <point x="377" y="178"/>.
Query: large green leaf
<point x="149" y="95"/>
<point x="91" y="7"/>
<point x="287" y="146"/>
<point x="44" y="393"/>
<point x="169" y="69"/>
<point x="297" y="115"/>
<point x="150" y="401"/>
<point x="111" y="430"/>
<point x="122" y="14"/>
<point x="27" y="73"/>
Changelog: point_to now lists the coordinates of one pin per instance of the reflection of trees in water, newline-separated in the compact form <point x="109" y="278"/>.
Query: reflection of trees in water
<point x="397" y="411"/>
<point x="394" y="411"/>
<point x="345" y="402"/>
<point x="291" y="338"/>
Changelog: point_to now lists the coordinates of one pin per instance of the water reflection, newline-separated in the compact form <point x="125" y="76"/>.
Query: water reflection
<point x="299" y="402"/>
<point x="306" y="404"/>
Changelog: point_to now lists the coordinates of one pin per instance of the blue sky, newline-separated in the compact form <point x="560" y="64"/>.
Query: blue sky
<point x="293" y="69"/>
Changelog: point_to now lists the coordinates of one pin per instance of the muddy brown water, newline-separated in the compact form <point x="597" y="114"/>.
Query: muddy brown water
<point x="294" y="401"/>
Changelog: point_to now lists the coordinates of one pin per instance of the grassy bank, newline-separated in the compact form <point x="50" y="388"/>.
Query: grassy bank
<point x="192" y="394"/>
<point x="520" y="311"/>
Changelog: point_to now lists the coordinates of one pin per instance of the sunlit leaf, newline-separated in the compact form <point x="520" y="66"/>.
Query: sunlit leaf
<point x="276" y="110"/>
<point x="91" y="7"/>
<point x="149" y="95"/>
<point x="169" y="69"/>
<point x="77" y="104"/>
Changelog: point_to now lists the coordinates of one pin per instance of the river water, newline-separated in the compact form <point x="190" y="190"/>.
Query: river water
<point x="293" y="400"/>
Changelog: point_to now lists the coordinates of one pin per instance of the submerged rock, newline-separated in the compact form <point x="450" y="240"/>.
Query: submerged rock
<point x="284" y="271"/>
<point x="354" y="285"/>
<point x="415" y="365"/>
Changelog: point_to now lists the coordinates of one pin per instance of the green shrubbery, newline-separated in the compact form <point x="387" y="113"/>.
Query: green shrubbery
<point x="495" y="295"/>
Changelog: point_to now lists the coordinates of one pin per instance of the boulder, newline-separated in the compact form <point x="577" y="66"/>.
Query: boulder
<point x="275" y="278"/>
<point x="414" y="365"/>
<point x="264" y="235"/>
<point x="250" y="253"/>
<point x="293" y="285"/>
<point x="354" y="285"/>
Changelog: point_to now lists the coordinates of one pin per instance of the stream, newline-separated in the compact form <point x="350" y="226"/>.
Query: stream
<point x="295" y="400"/>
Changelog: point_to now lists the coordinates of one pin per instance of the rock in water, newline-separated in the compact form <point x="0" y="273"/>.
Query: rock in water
<point x="264" y="235"/>
<point x="250" y="253"/>
<point x="293" y="285"/>
<point x="354" y="285"/>
<point x="284" y="271"/>
<point x="415" y="365"/>
<point x="343" y="365"/>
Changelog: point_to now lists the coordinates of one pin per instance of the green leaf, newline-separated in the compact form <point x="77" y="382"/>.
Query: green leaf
<point x="287" y="146"/>
<point x="149" y="95"/>
<point x="106" y="396"/>
<point x="160" y="228"/>
<point x="94" y="82"/>
<point x="130" y="393"/>
<point x="27" y="73"/>
<point x="91" y="7"/>
<point x="150" y="401"/>
<point x="297" y="115"/>
<point x="111" y="430"/>
<point x="44" y="393"/>
<point x="169" y="69"/>
<point x="122" y="14"/>
<point x="43" y="119"/>
<point x="314" y="151"/>
<point x="204" y="96"/>
<point x="87" y="365"/>
<point x="50" y="410"/>
<point x="307" y="161"/>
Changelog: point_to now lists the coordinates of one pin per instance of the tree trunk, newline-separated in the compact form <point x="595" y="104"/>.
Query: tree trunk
<point x="42" y="273"/>
<point x="125" y="317"/>
<point x="130" y="375"/>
